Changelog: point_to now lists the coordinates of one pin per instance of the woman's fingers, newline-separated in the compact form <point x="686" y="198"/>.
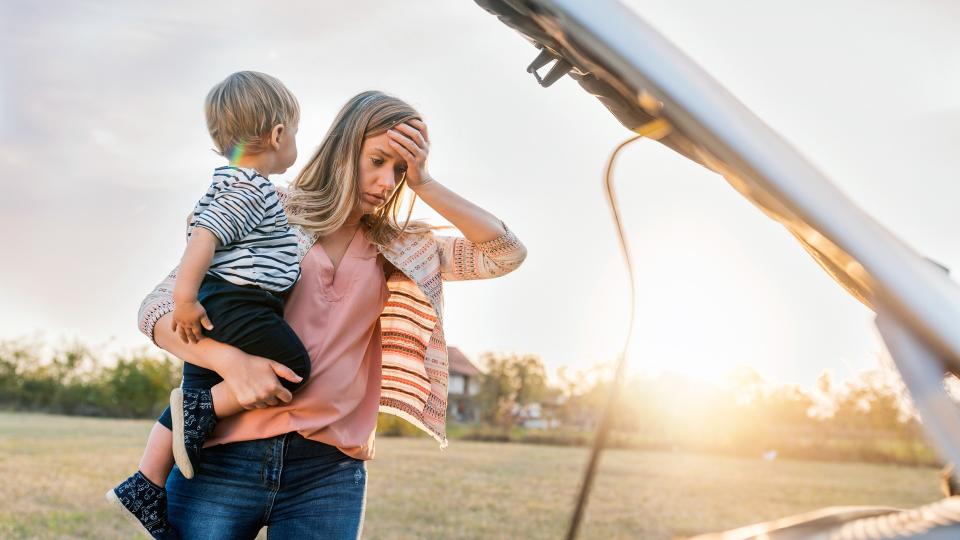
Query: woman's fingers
<point x="421" y="127"/>
<point x="413" y="133"/>
<point x="283" y="395"/>
<point x="412" y="146"/>
<point x="404" y="153"/>
<point x="407" y="148"/>
<point x="285" y="372"/>
<point x="411" y="139"/>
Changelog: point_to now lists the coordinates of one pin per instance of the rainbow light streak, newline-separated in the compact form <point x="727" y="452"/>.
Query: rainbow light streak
<point x="236" y="152"/>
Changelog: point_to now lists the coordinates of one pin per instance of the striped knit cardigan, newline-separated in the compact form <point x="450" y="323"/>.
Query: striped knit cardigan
<point x="415" y="366"/>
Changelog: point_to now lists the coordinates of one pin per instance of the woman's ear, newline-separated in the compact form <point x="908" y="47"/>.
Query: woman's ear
<point x="275" y="135"/>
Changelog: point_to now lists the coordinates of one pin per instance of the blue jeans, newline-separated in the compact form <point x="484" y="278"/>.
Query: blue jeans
<point x="295" y="487"/>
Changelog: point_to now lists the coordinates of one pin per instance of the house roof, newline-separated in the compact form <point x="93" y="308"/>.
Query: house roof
<point x="459" y="363"/>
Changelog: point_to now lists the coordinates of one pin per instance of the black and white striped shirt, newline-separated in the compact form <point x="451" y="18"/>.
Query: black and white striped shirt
<point x="257" y="246"/>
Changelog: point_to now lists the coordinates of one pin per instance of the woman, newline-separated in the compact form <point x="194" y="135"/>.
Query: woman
<point x="369" y="309"/>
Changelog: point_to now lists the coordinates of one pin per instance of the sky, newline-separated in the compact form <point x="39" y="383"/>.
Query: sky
<point x="104" y="151"/>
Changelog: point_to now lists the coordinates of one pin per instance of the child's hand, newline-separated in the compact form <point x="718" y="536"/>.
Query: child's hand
<point x="187" y="319"/>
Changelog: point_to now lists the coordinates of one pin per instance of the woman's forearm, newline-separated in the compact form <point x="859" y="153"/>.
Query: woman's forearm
<point x="411" y="141"/>
<point x="252" y="381"/>
<point x="476" y="224"/>
<point x="206" y="353"/>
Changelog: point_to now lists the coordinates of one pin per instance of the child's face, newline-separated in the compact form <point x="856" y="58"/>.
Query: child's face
<point x="287" y="151"/>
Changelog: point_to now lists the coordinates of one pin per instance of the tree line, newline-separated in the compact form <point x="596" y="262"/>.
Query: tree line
<point x="867" y="417"/>
<point x="72" y="380"/>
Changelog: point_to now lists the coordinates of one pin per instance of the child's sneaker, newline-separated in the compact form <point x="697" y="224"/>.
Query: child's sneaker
<point x="193" y="421"/>
<point x="144" y="504"/>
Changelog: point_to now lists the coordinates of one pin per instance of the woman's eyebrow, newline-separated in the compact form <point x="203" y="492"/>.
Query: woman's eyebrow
<point x="385" y="153"/>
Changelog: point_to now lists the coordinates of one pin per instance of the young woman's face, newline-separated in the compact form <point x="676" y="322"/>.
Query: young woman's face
<point x="381" y="169"/>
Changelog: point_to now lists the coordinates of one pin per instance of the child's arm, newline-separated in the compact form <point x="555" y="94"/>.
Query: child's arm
<point x="188" y="314"/>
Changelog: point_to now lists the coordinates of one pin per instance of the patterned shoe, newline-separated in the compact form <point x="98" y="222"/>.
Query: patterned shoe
<point x="193" y="421"/>
<point x="144" y="504"/>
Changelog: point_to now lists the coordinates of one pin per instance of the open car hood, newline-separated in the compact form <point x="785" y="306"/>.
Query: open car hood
<point x="651" y="87"/>
<point x="654" y="90"/>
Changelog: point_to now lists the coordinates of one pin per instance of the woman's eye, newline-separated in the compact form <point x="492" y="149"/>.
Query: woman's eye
<point x="377" y="161"/>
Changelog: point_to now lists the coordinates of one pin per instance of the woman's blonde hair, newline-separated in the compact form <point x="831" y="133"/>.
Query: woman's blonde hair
<point x="242" y="109"/>
<point x="327" y="190"/>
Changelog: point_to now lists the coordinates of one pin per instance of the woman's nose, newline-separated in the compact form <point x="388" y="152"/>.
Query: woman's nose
<point x="389" y="180"/>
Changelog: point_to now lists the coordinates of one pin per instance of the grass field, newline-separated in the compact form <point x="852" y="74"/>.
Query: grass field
<point x="55" y="469"/>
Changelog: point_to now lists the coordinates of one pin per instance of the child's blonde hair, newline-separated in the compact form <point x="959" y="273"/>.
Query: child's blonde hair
<point x="242" y="110"/>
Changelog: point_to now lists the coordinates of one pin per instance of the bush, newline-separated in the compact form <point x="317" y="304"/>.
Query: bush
<point x="139" y="387"/>
<point x="389" y="425"/>
<point x="73" y="381"/>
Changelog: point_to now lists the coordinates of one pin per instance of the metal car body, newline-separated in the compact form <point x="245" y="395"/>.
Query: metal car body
<point x="655" y="90"/>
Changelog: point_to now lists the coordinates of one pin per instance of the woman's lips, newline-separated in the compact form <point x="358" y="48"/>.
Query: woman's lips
<point x="373" y="199"/>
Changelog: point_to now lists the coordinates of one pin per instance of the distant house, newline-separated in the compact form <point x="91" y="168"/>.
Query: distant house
<point x="538" y="415"/>
<point x="464" y="384"/>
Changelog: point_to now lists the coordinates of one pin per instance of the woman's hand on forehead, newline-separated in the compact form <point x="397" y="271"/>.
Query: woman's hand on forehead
<point x="411" y="141"/>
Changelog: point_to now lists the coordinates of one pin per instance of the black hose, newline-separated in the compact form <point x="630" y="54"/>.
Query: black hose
<point x="617" y="383"/>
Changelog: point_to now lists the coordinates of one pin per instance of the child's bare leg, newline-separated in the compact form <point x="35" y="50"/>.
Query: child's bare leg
<point x="157" y="460"/>
<point x="224" y="402"/>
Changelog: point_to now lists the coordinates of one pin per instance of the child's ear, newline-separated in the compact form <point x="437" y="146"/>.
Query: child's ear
<point x="275" y="135"/>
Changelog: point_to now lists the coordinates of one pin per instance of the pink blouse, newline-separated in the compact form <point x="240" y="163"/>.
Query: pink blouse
<point x="337" y="316"/>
